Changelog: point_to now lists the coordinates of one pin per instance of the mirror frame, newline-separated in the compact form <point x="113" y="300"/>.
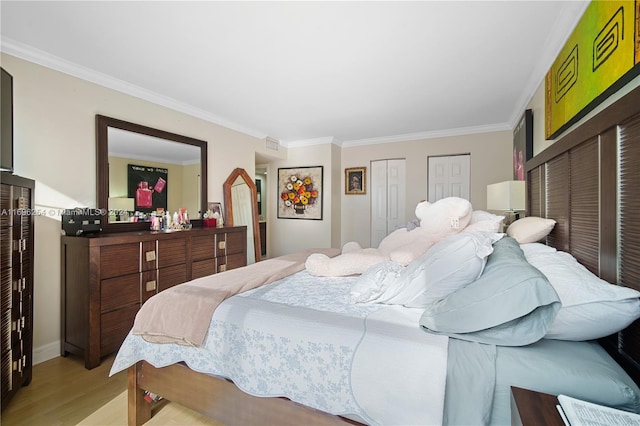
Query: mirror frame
<point x="228" y="205"/>
<point x="102" y="167"/>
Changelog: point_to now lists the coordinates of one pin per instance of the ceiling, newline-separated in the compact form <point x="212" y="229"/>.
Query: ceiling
<point x="346" y="72"/>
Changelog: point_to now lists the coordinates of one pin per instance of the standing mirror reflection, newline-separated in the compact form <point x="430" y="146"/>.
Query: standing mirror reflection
<point x="241" y="204"/>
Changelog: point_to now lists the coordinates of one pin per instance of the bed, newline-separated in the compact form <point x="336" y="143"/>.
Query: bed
<point x="585" y="183"/>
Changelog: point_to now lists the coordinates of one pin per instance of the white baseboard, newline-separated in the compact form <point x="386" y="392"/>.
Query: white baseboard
<point x="46" y="352"/>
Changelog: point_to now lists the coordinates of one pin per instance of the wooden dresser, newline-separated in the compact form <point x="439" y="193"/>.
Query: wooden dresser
<point x="107" y="277"/>
<point x="16" y="259"/>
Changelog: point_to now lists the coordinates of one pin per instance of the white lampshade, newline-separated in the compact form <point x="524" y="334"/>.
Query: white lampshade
<point x="506" y="196"/>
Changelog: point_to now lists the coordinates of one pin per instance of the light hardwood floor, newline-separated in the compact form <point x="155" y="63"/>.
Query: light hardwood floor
<point x="63" y="392"/>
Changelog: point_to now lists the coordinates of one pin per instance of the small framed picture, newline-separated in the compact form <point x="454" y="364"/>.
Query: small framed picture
<point x="215" y="207"/>
<point x="355" y="180"/>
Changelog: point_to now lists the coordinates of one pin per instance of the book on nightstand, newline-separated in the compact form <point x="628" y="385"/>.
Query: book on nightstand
<point x="575" y="412"/>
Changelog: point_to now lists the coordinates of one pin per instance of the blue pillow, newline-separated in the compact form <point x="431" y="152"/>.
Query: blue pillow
<point x="511" y="304"/>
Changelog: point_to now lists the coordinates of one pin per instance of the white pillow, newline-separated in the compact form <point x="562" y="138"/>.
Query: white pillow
<point x="532" y="249"/>
<point x="446" y="267"/>
<point x="591" y="307"/>
<point x="374" y="281"/>
<point x="530" y="229"/>
<point x="593" y="320"/>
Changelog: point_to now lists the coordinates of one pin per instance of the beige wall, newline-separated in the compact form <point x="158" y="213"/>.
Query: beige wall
<point x="491" y="162"/>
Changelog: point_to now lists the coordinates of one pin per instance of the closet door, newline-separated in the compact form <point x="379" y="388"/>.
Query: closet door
<point x="388" y="198"/>
<point x="448" y="177"/>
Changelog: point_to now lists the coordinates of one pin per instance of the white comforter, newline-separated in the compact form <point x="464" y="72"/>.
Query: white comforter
<point x="300" y="338"/>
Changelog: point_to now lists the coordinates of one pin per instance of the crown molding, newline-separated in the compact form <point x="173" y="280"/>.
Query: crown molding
<point x="315" y="141"/>
<point x="39" y="57"/>
<point x="430" y="135"/>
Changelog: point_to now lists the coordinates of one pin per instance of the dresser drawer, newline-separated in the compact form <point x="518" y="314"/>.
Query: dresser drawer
<point x="172" y="252"/>
<point x="203" y="247"/>
<point x="149" y="256"/>
<point x="114" y="327"/>
<point x="148" y="285"/>
<point x="234" y="243"/>
<point x="119" y="291"/>
<point x="172" y="275"/>
<point x="231" y="261"/>
<point x="202" y="268"/>
<point x="119" y="259"/>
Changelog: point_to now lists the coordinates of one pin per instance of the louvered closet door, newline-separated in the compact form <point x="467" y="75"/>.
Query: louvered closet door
<point x="629" y="223"/>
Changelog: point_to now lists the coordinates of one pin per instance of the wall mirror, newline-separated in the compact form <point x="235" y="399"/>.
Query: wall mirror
<point x="140" y="168"/>
<point x="241" y="205"/>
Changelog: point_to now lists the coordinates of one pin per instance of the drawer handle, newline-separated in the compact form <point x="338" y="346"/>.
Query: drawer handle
<point x="150" y="285"/>
<point x="222" y="245"/>
<point x="150" y="256"/>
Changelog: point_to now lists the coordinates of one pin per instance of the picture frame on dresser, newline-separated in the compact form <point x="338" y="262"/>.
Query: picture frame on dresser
<point x="216" y="207"/>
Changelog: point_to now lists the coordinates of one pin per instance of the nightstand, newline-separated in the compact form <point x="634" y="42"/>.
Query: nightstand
<point x="531" y="408"/>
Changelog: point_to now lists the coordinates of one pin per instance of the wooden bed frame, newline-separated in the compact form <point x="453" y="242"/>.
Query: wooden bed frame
<point x="587" y="182"/>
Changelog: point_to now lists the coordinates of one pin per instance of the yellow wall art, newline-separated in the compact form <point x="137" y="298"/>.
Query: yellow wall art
<point x="601" y="55"/>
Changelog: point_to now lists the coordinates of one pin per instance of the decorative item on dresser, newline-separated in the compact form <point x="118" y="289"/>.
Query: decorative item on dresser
<point x="16" y="260"/>
<point x="107" y="277"/>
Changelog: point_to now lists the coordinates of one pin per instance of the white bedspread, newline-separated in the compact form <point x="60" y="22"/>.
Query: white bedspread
<point x="300" y="338"/>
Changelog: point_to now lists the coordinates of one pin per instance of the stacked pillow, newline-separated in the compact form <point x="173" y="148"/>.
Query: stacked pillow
<point x="530" y="229"/>
<point x="509" y="291"/>
<point x="591" y="307"/>
<point x="511" y="304"/>
<point x="448" y="265"/>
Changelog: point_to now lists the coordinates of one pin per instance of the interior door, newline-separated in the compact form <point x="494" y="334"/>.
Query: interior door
<point x="449" y="176"/>
<point x="388" y="198"/>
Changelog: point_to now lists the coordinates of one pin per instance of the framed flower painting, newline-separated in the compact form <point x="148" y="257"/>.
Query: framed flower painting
<point x="300" y="193"/>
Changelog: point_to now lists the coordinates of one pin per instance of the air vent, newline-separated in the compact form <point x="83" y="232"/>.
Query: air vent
<point x="272" y="144"/>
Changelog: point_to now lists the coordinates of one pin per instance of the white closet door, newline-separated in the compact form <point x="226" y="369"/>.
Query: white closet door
<point x="448" y="177"/>
<point x="388" y="198"/>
